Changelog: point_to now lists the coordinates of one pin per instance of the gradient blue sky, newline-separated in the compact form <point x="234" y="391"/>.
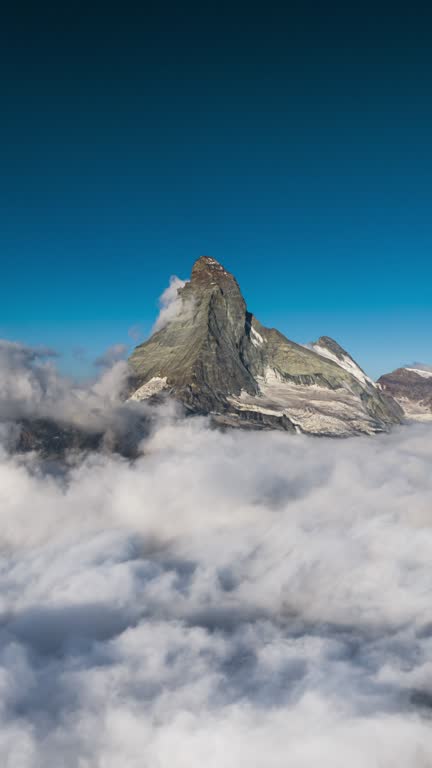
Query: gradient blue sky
<point x="292" y="144"/>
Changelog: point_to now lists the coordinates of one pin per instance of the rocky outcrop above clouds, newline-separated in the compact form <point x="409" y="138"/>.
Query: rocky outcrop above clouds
<point x="411" y="387"/>
<point x="216" y="358"/>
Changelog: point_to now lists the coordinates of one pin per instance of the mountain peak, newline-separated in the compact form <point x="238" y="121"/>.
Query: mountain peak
<point x="330" y="344"/>
<point x="411" y="387"/>
<point x="208" y="270"/>
<point x="217" y="359"/>
<point x="207" y="262"/>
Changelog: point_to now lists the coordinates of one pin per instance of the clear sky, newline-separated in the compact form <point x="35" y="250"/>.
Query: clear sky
<point x="292" y="142"/>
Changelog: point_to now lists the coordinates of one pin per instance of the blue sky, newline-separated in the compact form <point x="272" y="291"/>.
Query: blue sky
<point x="294" y="147"/>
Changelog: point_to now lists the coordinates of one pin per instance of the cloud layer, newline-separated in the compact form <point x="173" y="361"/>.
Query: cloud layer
<point x="227" y="599"/>
<point x="35" y="397"/>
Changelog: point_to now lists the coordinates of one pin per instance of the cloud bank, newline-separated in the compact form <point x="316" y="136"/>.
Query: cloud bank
<point x="34" y="397"/>
<point x="226" y="599"/>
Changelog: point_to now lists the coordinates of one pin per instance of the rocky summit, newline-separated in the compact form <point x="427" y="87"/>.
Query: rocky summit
<point x="411" y="387"/>
<point x="216" y="358"/>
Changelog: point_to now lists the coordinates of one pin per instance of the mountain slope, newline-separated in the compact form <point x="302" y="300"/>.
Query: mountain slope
<point x="333" y="351"/>
<point x="411" y="387"/>
<point x="216" y="358"/>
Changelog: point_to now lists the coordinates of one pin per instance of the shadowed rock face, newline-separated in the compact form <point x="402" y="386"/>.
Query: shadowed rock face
<point x="412" y="388"/>
<point x="54" y="440"/>
<point x="200" y="351"/>
<point x="216" y="358"/>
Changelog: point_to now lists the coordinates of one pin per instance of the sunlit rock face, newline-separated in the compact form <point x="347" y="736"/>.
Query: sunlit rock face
<point x="411" y="387"/>
<point x="216" y="358"/>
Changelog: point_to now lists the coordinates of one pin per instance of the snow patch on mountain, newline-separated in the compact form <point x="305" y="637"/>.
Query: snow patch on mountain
<point x="256" y="338"/>
<point x="152" y="387"/>
<point x="311" y="409"/>
<point x="420" y="372"/>
<point x="345" y="362"/>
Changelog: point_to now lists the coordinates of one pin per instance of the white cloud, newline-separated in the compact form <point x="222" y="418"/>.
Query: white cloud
<point x="31" y="388"/>
<point x="112" y="355"/>
<point x="226" y="599"/>
<point x="135" y="332"/>
<point x="170" y="303"/>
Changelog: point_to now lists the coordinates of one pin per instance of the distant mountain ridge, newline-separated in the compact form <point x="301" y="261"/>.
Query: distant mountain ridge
<point x="411" y="387"/>
<point x="217" y="359"/>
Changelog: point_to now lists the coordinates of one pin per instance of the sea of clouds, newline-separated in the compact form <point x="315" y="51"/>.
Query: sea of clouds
<point x="224" y="600"/>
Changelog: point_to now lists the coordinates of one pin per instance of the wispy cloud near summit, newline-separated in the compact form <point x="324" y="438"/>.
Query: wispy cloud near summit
<point x="170" y="303"/>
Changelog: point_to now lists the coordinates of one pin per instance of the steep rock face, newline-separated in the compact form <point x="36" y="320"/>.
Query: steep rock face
<point x="215" y="357"/>
<point x="411" y="387"/>
<point x="199" y="352"/>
